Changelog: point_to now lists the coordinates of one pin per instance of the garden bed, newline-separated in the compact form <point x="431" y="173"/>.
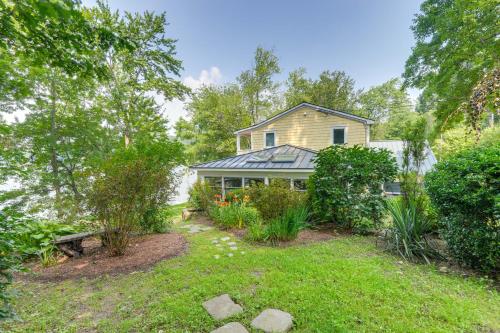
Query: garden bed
<point x="142" y="253"/>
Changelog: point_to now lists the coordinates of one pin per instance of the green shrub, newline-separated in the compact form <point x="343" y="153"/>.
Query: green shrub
<point x="364" y="226"/>
<point x="347" y="183"/>
<point x="466" y="192"/>
<point x="234" y="216"/>
<point x="156" y="220"/>
<point x="273" y="200"/>
<point x="287" y="226"/>
<point x="407" y="235"/>
<point x="132" y="182"/>
<point x="256" y="232"/>
<point x="201" y="196"/>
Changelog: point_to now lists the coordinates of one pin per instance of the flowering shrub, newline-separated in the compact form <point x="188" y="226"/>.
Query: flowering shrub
<point x="233" y="211"/>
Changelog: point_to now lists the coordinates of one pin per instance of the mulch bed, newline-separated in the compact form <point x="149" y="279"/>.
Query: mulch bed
<point x="142" y="253"/>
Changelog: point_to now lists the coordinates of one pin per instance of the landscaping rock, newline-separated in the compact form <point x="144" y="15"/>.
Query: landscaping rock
<point x="222" y="307"/>
<point x="272" y="320"/>
<point x="443" y="269"/>
<point x="231" y="328"/>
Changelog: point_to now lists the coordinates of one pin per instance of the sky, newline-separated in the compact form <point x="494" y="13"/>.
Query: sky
<point x="368" y="39"/>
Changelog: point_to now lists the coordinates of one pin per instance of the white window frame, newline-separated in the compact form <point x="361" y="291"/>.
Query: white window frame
<point x="275" y="139"/>
<point x="344" y="127"/>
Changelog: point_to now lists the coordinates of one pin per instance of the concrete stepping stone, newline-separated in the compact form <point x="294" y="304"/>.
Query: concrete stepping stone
<point x="231" y="328"/>
<point x="222" y="307"/>
<point x="272" y="320"/>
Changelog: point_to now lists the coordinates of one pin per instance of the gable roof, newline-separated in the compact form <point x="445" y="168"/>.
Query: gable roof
<point x="314" y="107"/>
<point x="265" y="159"/>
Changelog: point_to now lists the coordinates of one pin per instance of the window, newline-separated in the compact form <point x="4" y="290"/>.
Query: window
<point x="299" y="185"/>
<point x="270" y="139"/>
<point x="392" y="188"/>
<point x="232" y="183"/>
<point x="253" y="181"/>
<point x="215" y="183"/>
<point x="339" y="135"/>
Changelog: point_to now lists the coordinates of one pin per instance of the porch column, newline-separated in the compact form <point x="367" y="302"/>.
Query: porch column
<point x="223" y="188"/>
<point x="238" y="148"/>
<point x="266" y="180"/>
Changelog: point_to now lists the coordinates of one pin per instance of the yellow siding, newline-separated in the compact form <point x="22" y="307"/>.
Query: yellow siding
<point x="311" y="130"/>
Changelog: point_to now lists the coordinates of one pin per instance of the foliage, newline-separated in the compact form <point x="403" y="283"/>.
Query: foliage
<point x="201" y="195"/>
<point x="257" y="85"/>
<point x="287" y="226"/>
<point x="465" y="191"/>
<point x="156" y="220"/>
<point x="389" y="106"/>
<point x="215" y="113"/>
<point x="135" y="181"/>
<point x="456" y="46"/>
<point x="274" y="199"/>
<point x="458" y="139"/>
<point x="234" y="216"/>
<point x="347" y="183"/>
<point x="56" y="34"/>
<point x="333" y="89"/>
<point x="407" y="235"/>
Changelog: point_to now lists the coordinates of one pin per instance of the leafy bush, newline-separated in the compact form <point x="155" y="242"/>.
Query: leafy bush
<point x="234" y="216"/>
<point x="465" y="190"/>
<point x="273" y="200"/>
<point x="287" y="226"/>
<point x="407" y="236"/>
<point x="201" y="196"/>
<point x="347" y="183"/>
<point x="132" y="183"/>
<point x="156" y="220"/>
<point x="283" y="228"/>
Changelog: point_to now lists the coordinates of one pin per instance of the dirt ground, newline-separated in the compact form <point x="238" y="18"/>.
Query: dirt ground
<point x="142" y="253"/>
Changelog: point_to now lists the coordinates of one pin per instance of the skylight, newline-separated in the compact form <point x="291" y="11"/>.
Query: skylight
<point x="284" y="158"/>
<point x="258" y="158"/>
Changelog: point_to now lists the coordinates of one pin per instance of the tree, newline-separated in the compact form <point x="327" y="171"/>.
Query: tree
<point x="456" y="50"/>
<point x="333" y="89"/>
<point x="299" y="88"/>
<point x="151" y="67"/>
<point x="389" y="106"/>
<point x="215" y="113"/>
<point x="57" y="34"/>
<point x="257" y="85"/>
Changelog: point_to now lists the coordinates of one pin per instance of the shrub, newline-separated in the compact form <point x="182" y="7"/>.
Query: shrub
<point x="201" y="195"/>
<point x="287" y="226"/>
<point x="234" y="216"/>
<point x="156" y="220"/>
<point x="133" y="182"/>
<point x="407" y="236"/>
<point x="465" y="190"/>
<point x="347" y="183"/>
<point x="273" y="200"/>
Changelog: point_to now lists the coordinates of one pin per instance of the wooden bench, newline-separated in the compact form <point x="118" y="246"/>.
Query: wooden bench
<point x="71" y="245"/>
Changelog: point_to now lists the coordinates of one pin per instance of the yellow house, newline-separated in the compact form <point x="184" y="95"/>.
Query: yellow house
<point x="284" y="146"/>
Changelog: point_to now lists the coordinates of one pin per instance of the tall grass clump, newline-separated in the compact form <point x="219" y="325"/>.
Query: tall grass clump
<point x="408" y="234"/>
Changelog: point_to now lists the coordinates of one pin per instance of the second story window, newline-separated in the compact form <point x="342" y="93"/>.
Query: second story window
<point x="339" y="135"/>
<point x="270" y="139"/>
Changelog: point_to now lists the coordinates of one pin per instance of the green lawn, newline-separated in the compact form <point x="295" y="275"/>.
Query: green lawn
<point x="343" y="285"/>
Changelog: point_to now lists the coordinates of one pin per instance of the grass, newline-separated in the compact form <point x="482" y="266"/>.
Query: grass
<point x="343" y="285"/>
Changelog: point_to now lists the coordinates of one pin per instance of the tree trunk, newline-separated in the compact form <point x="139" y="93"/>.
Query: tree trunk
<point x="53" y="150"/>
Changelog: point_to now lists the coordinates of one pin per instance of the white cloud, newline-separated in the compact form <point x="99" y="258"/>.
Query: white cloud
<point x="206" y="78"/>
<point x="176" y="108"/>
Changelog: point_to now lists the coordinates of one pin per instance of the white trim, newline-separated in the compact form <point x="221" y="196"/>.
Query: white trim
<point x="367" y="135"/>
<point x="238" y="144"/>
<point x="312" y="106"/>
<point x="275" y="138"/>
<point x="344" y="127"/>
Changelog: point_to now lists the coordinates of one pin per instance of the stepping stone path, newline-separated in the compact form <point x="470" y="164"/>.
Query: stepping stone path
<point x="272" y="320"/>
<point x="231" y="328"/>
<point x="195" y="228"/>
<point x="269" y="321"/>
<point x="222" y="307"/>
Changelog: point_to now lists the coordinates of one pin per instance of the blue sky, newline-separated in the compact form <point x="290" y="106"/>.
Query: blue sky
<point x="369" y="40"/>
